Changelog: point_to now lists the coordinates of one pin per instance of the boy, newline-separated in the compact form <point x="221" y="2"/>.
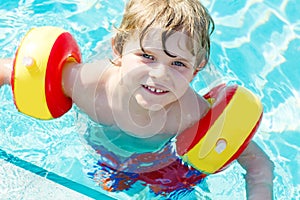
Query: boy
<point x="143" y="95"/>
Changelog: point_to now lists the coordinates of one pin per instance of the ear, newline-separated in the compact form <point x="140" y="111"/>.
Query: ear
<point x="116" y="53"/>
<point x="200" y="67"/>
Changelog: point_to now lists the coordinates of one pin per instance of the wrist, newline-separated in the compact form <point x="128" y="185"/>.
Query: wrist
<point x="263" y="190"/>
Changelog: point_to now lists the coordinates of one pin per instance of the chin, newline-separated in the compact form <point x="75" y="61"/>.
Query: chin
<point x="151" y="105"/>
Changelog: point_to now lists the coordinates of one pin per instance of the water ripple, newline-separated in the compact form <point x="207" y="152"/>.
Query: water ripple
<point x="256" y="44"/>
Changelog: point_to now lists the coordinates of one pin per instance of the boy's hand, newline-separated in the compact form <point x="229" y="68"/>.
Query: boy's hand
<point x="5" y="71"/>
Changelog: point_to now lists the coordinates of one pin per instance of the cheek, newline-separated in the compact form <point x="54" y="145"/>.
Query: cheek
<point x="131" y="71"/>
<point x="182" y="83"/>
<point x="125" y="61"/>
<point x="130" y="62"/>
<point x="183" y="78"/>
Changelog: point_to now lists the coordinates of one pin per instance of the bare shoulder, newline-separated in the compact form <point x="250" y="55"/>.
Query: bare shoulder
<point x="85" y="83"/>
<point x="79" y="76"/>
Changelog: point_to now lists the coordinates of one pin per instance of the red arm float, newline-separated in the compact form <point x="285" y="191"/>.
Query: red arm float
<point x="37" y="72"/>
<point x="224" y="132"/>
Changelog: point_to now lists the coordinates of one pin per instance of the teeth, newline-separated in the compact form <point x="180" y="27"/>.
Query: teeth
<point x="152" y="89"/>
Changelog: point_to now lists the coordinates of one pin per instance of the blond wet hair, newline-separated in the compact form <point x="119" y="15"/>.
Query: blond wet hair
<point x="187" y="16"/>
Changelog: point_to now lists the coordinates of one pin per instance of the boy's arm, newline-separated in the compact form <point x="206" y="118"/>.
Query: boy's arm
<point x="259" y="177"/>
<point x="5" y="71"/>
<point x="81" y="83"/>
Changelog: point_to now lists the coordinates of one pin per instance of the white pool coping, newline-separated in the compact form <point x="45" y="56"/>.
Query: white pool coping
<point x="18" y="183"/>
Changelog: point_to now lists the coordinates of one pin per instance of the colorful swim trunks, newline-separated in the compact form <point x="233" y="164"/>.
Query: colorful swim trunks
<point x="167" y="175"/>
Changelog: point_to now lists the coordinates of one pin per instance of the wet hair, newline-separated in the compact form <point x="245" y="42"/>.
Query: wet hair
<point x="187" y="16"/>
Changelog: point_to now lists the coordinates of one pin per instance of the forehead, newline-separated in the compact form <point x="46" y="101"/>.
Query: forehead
<point x="178" y="43"/>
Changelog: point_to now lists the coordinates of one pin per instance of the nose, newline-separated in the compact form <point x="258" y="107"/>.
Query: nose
<point x="159" y="71"/>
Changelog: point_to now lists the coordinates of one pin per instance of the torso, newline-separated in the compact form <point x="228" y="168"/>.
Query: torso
<point x="173" y="119"/>
<point x="124" y="153"/>
<point x="95" y="100"/>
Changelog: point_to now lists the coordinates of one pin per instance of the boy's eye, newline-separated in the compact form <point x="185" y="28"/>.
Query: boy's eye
<point x="147" y="56"/>
<point x="178" y="64"/>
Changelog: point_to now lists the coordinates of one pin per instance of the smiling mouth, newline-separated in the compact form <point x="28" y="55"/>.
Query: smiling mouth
<point x="154" y="90"/>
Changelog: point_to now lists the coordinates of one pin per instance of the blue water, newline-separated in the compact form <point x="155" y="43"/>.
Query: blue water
<point x="256" y="43"/>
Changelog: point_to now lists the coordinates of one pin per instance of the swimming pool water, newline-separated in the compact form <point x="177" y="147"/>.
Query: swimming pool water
<point x="256" y="44"/>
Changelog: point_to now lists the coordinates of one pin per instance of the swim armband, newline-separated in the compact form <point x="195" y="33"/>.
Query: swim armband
<point x="37" y="72"/>
<point x="224" y="132"/>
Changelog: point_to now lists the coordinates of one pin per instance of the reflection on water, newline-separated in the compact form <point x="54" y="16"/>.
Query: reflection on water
<point x="256" y="43"/>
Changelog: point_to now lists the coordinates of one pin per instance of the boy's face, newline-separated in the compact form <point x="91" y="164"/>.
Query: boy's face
<point x="156" y="78"/>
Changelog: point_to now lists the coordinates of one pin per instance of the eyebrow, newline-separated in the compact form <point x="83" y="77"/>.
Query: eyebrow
<point x="165" y="51"/>
<point x="170" y="55"/>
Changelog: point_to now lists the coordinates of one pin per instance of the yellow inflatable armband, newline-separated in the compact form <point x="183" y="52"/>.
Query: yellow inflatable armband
<point x="37" y="72"/>
<point x="224" y="132"/>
